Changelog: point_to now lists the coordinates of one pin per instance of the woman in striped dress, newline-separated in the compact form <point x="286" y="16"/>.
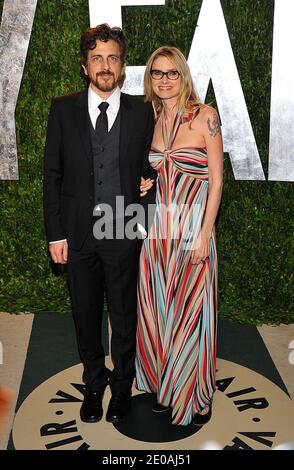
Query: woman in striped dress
<point x="177" y="289"/>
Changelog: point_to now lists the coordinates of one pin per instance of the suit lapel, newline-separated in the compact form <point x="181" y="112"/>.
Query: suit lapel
<point x="126" y="124"/>
<point x="83" y="123"/>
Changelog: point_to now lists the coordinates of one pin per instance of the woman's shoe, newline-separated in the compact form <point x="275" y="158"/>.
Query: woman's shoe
<point x="199" y="419"/>
<point x="158" y="408"/>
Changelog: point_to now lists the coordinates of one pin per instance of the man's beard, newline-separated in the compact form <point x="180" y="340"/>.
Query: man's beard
<point x="105" y="86"/>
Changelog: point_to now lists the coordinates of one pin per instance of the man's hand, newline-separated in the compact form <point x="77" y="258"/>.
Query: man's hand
<point x="145" y="186"/>
<point x="59" y="252"/>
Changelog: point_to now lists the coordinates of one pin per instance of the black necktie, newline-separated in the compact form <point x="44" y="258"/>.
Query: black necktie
<point x="101" y="128"/>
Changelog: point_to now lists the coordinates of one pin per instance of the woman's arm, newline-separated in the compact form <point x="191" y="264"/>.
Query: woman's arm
<point x="214" y="145"/>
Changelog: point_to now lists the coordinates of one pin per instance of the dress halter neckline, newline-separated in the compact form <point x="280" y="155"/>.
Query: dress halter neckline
<point x="180" y="118"/>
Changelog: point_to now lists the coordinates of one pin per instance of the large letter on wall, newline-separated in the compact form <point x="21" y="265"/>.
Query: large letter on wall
<point x="211" y="57"/>
<point x="111" y="14"/>
<point x="281" y="147"/>
<point x="15" y="31"/>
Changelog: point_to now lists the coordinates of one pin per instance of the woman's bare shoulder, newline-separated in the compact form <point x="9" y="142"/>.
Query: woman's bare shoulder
<point x="209" y="120"/>
<point x="207" y="112"/>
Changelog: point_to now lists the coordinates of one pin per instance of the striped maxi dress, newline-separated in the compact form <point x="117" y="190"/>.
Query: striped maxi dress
<point x="177" y="300"/>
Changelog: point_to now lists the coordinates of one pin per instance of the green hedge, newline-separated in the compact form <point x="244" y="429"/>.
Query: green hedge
<point x="255" y="221"/>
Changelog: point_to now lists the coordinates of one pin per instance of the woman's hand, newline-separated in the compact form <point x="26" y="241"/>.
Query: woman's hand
<point x="145" y="185"/>
<point x="201" y="251"/>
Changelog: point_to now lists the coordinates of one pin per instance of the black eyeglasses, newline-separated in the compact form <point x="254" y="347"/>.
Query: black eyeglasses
<point x="159" y="74"/>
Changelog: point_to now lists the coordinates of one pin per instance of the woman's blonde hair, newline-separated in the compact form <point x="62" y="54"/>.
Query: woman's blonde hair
<point x="188" y="100"/>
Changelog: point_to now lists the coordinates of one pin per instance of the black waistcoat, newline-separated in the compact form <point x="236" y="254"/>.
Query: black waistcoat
<point x="106" y="165"/>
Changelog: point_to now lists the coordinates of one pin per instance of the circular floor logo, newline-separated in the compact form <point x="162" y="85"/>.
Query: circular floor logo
<point x="249" y="412"/>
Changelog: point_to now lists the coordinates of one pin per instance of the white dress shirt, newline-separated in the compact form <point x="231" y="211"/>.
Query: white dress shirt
<point x="94" y="101"/>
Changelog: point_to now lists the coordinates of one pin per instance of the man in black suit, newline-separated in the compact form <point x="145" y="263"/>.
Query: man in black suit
<point x="96" y="150"/>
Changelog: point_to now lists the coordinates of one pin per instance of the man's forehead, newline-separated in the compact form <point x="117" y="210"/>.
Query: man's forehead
<point x="106" y="47"/>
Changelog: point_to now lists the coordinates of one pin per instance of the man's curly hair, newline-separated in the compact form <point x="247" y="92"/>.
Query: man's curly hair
<point x="102" y="32"/>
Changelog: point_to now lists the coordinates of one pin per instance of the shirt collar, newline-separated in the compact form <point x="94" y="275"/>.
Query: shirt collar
<point x="94" y="100"/>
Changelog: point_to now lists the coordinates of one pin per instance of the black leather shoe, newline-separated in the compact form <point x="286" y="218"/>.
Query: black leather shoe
<point x="91" y="410"/>
<point x="158" y="408"/>
<point x="118" y="407"/>
<point x="200" y="420"/>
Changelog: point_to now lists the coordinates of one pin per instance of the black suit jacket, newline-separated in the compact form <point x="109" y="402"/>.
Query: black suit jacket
<point x="68" y="164"/>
